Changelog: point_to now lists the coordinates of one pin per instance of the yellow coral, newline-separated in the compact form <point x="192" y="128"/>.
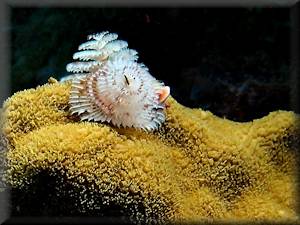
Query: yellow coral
<point x="195" y="167"/>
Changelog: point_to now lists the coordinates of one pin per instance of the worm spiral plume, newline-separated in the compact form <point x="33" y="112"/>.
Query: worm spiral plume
<point x="109" y="85"/>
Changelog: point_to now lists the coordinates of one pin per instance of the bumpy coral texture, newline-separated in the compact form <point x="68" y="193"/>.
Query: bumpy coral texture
<point x="195" y="167"/>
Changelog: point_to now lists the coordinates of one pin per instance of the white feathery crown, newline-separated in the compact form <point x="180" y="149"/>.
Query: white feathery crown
<point x="109" y="85"/>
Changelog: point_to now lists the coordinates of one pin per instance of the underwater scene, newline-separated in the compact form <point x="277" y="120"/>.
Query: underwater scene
<point x="151" y="115"/>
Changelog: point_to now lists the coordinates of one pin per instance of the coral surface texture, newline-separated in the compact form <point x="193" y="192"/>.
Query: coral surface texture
<point x="195" y="167"/>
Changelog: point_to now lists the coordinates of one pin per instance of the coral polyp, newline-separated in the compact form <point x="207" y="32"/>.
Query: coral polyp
<point x="109" y="85"/>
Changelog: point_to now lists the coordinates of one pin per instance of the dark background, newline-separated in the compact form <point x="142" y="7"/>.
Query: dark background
<point x="234" y="62"/>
